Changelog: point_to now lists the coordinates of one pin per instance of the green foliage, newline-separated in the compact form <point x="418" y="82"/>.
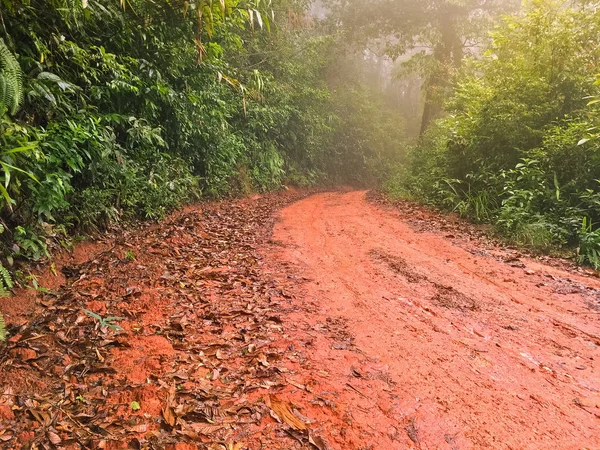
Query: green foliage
<point x="518" y="146"/>
<point x="366" y="138"/>
<point x="129" y="256"/>
<point x="105" y="322"/>
<point x="6" y="282"/>
<point x="11" y="85"/>
<point x="588" y="251"/>
<point x="35" y="285"/>
<point x="2" y="329"/>
<point x="10" y="161"/>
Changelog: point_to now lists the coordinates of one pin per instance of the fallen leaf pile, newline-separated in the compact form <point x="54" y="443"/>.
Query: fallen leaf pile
<point x="161" y="341"/>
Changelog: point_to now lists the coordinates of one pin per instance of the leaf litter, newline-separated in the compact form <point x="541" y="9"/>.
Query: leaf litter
<point x="170" y="349"/>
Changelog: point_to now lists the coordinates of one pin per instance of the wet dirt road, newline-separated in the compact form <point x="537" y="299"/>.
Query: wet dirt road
<point x="428" y="342"/>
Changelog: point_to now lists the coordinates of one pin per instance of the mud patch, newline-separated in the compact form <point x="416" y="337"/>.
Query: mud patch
<point x="337" y="329"/>
<point x="450" y="298"/>
<point x="398" y="265"/>
<point x="594" y="304"/>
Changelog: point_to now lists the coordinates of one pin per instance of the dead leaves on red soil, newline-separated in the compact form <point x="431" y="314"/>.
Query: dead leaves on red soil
<point x="192" y="366"/>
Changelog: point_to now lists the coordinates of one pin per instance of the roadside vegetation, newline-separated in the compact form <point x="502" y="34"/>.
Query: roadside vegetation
<point x="518" y="145"/>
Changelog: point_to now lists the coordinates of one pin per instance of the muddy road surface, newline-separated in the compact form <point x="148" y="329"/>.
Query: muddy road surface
<point x="296" y="322"/>
<point x="431" y="342"/>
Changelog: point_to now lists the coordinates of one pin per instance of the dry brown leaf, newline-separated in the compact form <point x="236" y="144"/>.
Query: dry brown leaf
<point x="262" y="358"/>
<point x="168" y="412"/>
<point x="24" y="354"/>
<point x="283" y="410"/>
<point x="205" y="429"/>
<point x="5" y="435"/>
<point x="141" y="428"/>
<point x="7" y="398"/>
<point x="318" y="442"/>
<point x="169" y="416"/>
<point x="183" y="409"/>
<point x="234" y="446"/>
<point x="215" y="446"/>
<point x="41" y="416"/>
<point x="100" y="357"/>
<point x="296" y="384"/>
<point x="54" y="438"/>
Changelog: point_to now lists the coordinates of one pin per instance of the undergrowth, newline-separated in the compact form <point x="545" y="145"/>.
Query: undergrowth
<point x="519" y="146"/>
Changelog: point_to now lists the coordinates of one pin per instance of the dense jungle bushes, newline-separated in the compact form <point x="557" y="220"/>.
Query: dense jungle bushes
<point x="116" y="110"/>
<point x="519" y="146"/>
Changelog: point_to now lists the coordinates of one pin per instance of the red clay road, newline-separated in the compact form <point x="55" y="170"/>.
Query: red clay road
<point x="431" y="343"/>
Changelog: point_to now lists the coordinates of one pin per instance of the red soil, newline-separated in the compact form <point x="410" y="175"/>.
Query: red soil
<point x="378" y="335"/>
<point x="424" y="342"/>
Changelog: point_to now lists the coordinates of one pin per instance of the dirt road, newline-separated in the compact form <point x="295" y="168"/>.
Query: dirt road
<point x="352" y="326"/>
<point x="428" y="341"/>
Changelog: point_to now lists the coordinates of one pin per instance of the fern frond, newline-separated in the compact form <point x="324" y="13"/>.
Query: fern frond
<point x="11" y="81"/>
<point x="6" y="282"/>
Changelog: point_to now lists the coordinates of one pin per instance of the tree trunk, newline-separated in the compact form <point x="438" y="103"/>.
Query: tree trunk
<point x="448" y="54"/>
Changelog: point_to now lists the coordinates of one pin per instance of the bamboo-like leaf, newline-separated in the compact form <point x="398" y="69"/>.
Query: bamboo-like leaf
<point x="6" y="177"/>
<point x="29" y="174"/>
<point x="25" y="148"/>
<point x="258" y="18"/>
<point x="6" y="196"/>
<point x="231" y="81"/>
<point x="208" y="21"/>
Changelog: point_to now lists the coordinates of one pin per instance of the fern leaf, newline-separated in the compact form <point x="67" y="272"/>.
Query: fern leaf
<point x="6" y="282"/>
<point x="11" y="81"/>
<point x="3" y="95"/>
